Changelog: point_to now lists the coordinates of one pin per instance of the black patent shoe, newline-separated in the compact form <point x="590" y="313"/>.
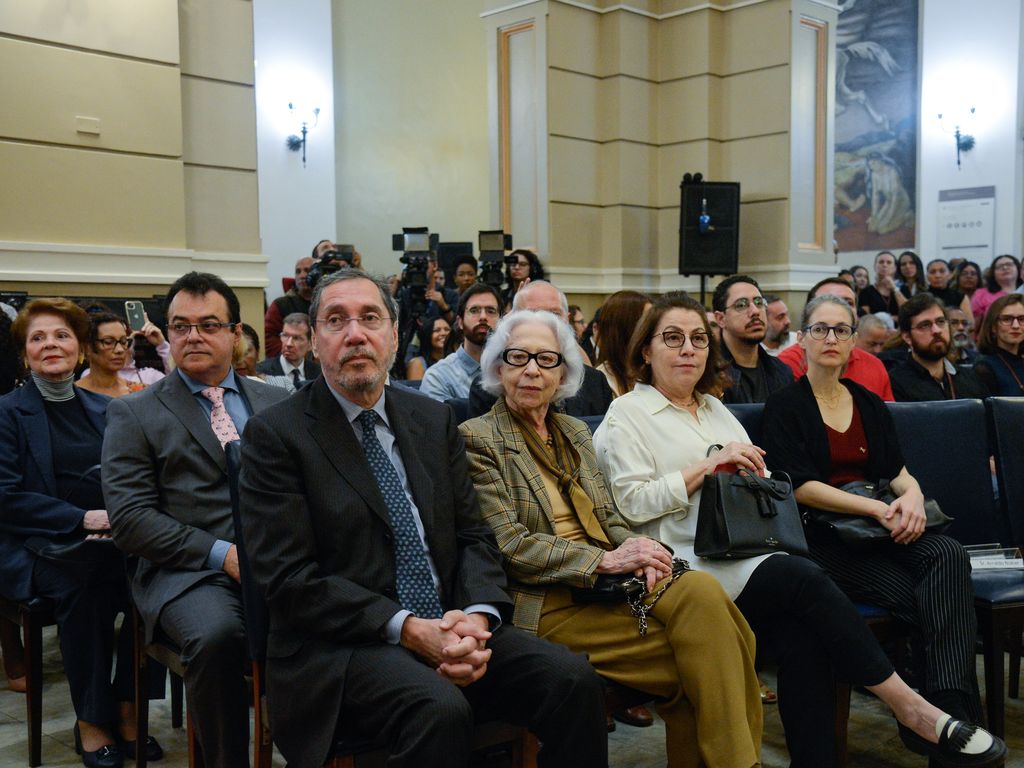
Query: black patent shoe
<point x="154" y="751"/>
<point x="954" y="741"/>
<point x="107" y="756"/>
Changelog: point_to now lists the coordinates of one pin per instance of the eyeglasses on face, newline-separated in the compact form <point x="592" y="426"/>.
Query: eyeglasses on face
<point x="676" y="339"/>
<point x="926" y="325"/>
<point x="820" y="331"/>
<point x="371" y="321"/>
<point x="518" y="358"/>
<point x="205" y="328"/>
<point x="1009" y="320"/>
<point x="109" y="343"/>
<point x="741" y="305"/>
<point x="480" y="310"/>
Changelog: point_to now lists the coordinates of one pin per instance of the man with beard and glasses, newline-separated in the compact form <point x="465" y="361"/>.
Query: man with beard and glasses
<point x="740" y="311"/>
<point x="479" y="310"/>
<point x="928" y="374"/>
<point x="389" y="618"/>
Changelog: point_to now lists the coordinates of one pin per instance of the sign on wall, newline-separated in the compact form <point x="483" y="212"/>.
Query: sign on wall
<point x="876" y="124"/>
<point x="967" y="224"/>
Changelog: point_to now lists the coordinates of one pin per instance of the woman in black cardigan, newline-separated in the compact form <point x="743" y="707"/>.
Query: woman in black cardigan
<point x="826" y="431"/>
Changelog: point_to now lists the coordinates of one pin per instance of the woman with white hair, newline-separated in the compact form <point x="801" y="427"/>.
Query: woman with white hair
<point x="541" y="491"/>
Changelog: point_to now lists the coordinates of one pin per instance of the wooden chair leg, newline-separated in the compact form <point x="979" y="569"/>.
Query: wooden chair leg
<point x="141" y="699"/>
<point x="842" y="722"/>
<point x="263" y="747"/>
<point x="32" y="637"/>
<point x="993" y="639"/>
<point x="177" y="700"/>
<point x="1014" y="648"/>
<point x="195" y="756"/>
<point x="346" y="761"/>
<point x="529" y="747"/>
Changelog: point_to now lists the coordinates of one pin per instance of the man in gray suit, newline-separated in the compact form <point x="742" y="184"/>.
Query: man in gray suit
<point x="166" y="487"/>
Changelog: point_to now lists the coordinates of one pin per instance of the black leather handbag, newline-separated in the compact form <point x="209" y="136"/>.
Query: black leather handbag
<point x="744" y="515"/>
<point x="858" y="530"/>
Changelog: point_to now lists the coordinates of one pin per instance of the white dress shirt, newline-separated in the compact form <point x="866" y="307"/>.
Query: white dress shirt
<point x="643" y="445"/>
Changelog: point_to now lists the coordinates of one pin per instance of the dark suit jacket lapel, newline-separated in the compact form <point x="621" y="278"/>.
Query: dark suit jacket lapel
<point x="182" y="403"/>
<point x="36" y="428"/>
<point x="95" y="408"/>
<point x="411" y="440"/>
<point x="330" y="429"/>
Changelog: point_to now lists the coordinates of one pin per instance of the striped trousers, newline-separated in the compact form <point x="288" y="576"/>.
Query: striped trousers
<point x="926" y="584"/>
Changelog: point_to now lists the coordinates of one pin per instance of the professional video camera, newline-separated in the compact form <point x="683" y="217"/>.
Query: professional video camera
<point x="330" y="261"/>
<point x="492" y="245"/>
<point x="416" y="245"/>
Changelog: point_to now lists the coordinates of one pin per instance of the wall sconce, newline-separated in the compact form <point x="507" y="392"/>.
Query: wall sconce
<point x="295" y="143"/>
<point x="964" y="141"/>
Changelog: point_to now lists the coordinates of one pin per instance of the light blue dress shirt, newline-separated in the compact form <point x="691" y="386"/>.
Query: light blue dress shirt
<point x="450" y="377"/>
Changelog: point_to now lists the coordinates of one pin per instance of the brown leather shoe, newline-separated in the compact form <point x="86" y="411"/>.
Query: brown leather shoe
<point x="638" y="716"/>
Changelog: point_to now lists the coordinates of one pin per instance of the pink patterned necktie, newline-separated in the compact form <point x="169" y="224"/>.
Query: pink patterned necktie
<point x="223" y="426"/>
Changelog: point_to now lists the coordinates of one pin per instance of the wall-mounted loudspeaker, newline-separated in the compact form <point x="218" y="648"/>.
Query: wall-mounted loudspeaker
<point x="709" y="226"/>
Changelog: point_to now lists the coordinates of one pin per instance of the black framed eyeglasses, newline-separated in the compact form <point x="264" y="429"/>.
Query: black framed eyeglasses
<point x="205" y="328"/>
<point x="519" y="358"/>
<point x="676" y="339"/>
<point x="108" y="343"/>
<point x="820" y="331"/>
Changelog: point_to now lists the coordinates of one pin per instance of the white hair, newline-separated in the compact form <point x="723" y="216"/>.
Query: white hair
<point x="520" y="296"/>
<point x="572" y="360"/>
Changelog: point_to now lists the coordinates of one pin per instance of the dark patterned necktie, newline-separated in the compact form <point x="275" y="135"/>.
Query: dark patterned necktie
<point x="295" y="378"/>
<point x="416" y="591"/>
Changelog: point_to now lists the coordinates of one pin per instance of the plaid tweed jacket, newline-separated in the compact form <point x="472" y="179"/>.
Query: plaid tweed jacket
<point x="515" y="503"/>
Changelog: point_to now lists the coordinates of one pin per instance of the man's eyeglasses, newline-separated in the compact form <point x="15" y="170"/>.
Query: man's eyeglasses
<point x="741" y="305"/>
<point x="1008" y="320"/>
<point x="371" y="321"/>
<point x="676" y="339"/>
<point x="926" y="325"/>
<point x="519" y="358"/>
<point x="820" y="331"/>
<point x="205" y="328"/>
<point x="108" y="343"/>
<point x="477" y="311"/>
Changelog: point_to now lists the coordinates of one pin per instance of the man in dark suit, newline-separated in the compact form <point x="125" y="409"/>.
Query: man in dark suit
<point x="166" y="487"/>
<point x="388" y="615"/>
<point x="292" y="367"/>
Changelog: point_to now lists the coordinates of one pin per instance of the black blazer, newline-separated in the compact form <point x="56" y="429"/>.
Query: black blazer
<point x="272" y="367"/>
<point x="796" y="442"/>
<point x="28" y="485"/>
<point x="318" y="537"/>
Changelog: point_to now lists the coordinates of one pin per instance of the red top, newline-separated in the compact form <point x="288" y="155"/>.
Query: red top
<point x="848" y="451"/>
<point x="862" y="367"/>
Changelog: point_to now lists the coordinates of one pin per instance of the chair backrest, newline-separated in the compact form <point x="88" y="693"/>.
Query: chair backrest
<point x="460" y="406"/>
<point x="412" y="383"/>
<point x="945" y="446"/>
<point x="257" y="620"/>
<point x="1006" y="437"/>
<point x="750" y="415"/>
<point x="592" y="421"/>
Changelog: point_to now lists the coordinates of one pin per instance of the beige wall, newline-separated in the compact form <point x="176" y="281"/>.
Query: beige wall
<point x="127" y="143"/>
<point x="410" y="85"/>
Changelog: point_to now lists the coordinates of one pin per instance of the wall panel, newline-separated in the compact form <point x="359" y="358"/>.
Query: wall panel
<point x="219" y="125"/>
<point x="65" y="195"/>
<point x="222" y="209"/>
<point x="216" y="39"/>
<point x="136" y="105"/>
<point x="143" y="30"/>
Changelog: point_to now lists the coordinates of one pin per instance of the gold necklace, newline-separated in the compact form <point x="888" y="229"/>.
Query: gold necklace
<point x="831" y="402"/>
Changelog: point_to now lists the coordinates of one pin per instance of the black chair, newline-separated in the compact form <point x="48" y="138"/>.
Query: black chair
<point x="32" y="615"/>
<point x="592" y="421"/>
<point x="999" y="595"/>
<point x="460" y="406"/>
<point x="946" y="447"/>
<point x="750" y="416"/>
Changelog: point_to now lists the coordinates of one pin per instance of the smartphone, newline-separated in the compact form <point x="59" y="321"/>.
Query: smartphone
<point x="136" y="315"/>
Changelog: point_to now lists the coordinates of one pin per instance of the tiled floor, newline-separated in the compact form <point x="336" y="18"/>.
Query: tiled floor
<point x="873" y="739"/>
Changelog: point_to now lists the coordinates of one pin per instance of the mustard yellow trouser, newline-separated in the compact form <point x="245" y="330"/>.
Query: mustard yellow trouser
<point x="698" y="655"/>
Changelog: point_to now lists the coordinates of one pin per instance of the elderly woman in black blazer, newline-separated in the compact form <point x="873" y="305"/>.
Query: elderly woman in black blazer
<point x="827" y="431"/>
<point x="51" y="433"/>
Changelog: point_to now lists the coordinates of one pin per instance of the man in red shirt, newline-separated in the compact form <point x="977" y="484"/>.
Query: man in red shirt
<point x="863" y="367"/>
